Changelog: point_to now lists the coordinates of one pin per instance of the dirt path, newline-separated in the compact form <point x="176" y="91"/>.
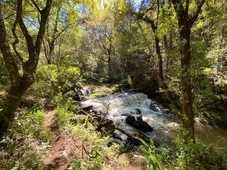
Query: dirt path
<point x="63" y="150"/>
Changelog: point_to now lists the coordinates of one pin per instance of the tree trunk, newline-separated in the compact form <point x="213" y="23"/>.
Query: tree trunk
<point x="187" y="114"/>
<point x="161" y="79"/>
<point x="20" y="83"/>
<point x="109" y="62"/>
<point x="185" y="23"/>
<point x="12" y="102"/>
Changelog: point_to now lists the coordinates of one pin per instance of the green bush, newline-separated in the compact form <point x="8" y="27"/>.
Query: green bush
<point x="24" y="144"/>
<point x="31" y="124"/>
<point x="150" y="155"/>
<point x="51" y="80"/>
<point x="20" y="153"/>
<point x="191" y="156"/>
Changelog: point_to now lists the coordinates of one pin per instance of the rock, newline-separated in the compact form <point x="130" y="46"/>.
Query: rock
<point x="138" y="123"/>
<point x="154" y="107"/>
<point x="117" y="141"/>
<point x="119" y="135"/>
<point x="86" y="107"/>
<point x="138" y="111"/>
<point x="106" y="126"/>
<point x="130" y="120"/>
<point x="143" y="126"/>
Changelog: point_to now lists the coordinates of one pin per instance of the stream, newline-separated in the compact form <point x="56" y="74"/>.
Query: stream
<point x="121" y="107"/>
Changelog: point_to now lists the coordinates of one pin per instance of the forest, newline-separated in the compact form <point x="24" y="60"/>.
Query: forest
<point x="113" y="84"/>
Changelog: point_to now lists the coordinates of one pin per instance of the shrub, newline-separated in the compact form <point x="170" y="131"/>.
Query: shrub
<point x="31" y="124"/>
<point x="150" y="155"/>
<point x="51" y="80"/>
<point x="24" y="144"/>
<point x="190" y="155"/>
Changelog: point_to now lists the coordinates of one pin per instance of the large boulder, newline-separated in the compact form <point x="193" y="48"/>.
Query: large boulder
<point x="138" y="123"/>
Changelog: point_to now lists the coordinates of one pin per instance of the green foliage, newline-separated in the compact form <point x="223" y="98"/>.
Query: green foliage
<point x="52" y="80"/>
<point x="102" y="91"/>
<point x="24" y="144"/>
<point x="31" y="124"/>
<point x="149" y="150"/>
<point x="20" y="153"/>
<point x="94" y="146"/>
<point x="190" y="155"/>
<point x="166" y="21"/>
<point x="63" y="115"/>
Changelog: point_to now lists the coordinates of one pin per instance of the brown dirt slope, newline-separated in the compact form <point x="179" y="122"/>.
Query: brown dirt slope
<point x="64" y="150"/>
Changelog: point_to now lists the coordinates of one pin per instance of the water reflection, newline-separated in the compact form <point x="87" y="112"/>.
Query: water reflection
<point x="213" y="137"/>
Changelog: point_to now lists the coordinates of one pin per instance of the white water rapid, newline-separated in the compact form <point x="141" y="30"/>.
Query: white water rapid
<point x="117" y="107"/>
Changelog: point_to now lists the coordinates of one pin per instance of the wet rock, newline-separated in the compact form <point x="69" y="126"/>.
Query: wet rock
<point x="122" y="139"/>
<point x="119" y="135"/>
<point x="138" y="123"/>
<point x="87" y="108"/>
<point x="154" y="107"/>
<point x="130" y="120"/>
<point x="117" y="141"/>
<point x="138" y="111"/>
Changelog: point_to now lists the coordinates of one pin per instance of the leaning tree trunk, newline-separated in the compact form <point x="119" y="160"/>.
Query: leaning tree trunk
<point x="20" y="82"/>
<point x="12" y="102"/>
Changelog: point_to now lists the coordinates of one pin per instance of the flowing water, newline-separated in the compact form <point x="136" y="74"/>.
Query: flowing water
<point x="117" y="107"/>
<point x="211" y="136"/>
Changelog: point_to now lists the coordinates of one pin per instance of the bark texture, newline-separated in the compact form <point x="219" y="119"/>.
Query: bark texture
<point x="20" y="82"/>
<point x="185" y="23"/>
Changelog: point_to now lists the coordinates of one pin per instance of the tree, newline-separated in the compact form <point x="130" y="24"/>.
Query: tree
<point x="101" y="25"/>
<point x="185" y="24"/>
<point x="153" y="15"/>
<point x="21" y="69"/>
<point x="64" y="18"/>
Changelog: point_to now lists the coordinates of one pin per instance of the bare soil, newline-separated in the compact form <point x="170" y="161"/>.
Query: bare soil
<point x="64" y="150"/>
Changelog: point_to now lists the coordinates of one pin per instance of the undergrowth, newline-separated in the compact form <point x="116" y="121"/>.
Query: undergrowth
<point x="191" y="156"/>
<point x="94" y="145"/>
<point x="24" y="144"/>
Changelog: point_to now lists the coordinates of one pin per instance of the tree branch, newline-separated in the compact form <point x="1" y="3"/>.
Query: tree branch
<point x="18" y="15"/>
<point x="28" y="37"/>
<point x="151" y="22"/>
<point x="180" y="11"/>
<point x="158" y="11"/>
<point x="6" y="53"/>
<point x="44" y="17"/>
<point x="187" y="6"/>
<point x="148" y="9"/>
<point x="144" y="17"/>
<point x="36" y="6"/>
<point x="198" y="10"/>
